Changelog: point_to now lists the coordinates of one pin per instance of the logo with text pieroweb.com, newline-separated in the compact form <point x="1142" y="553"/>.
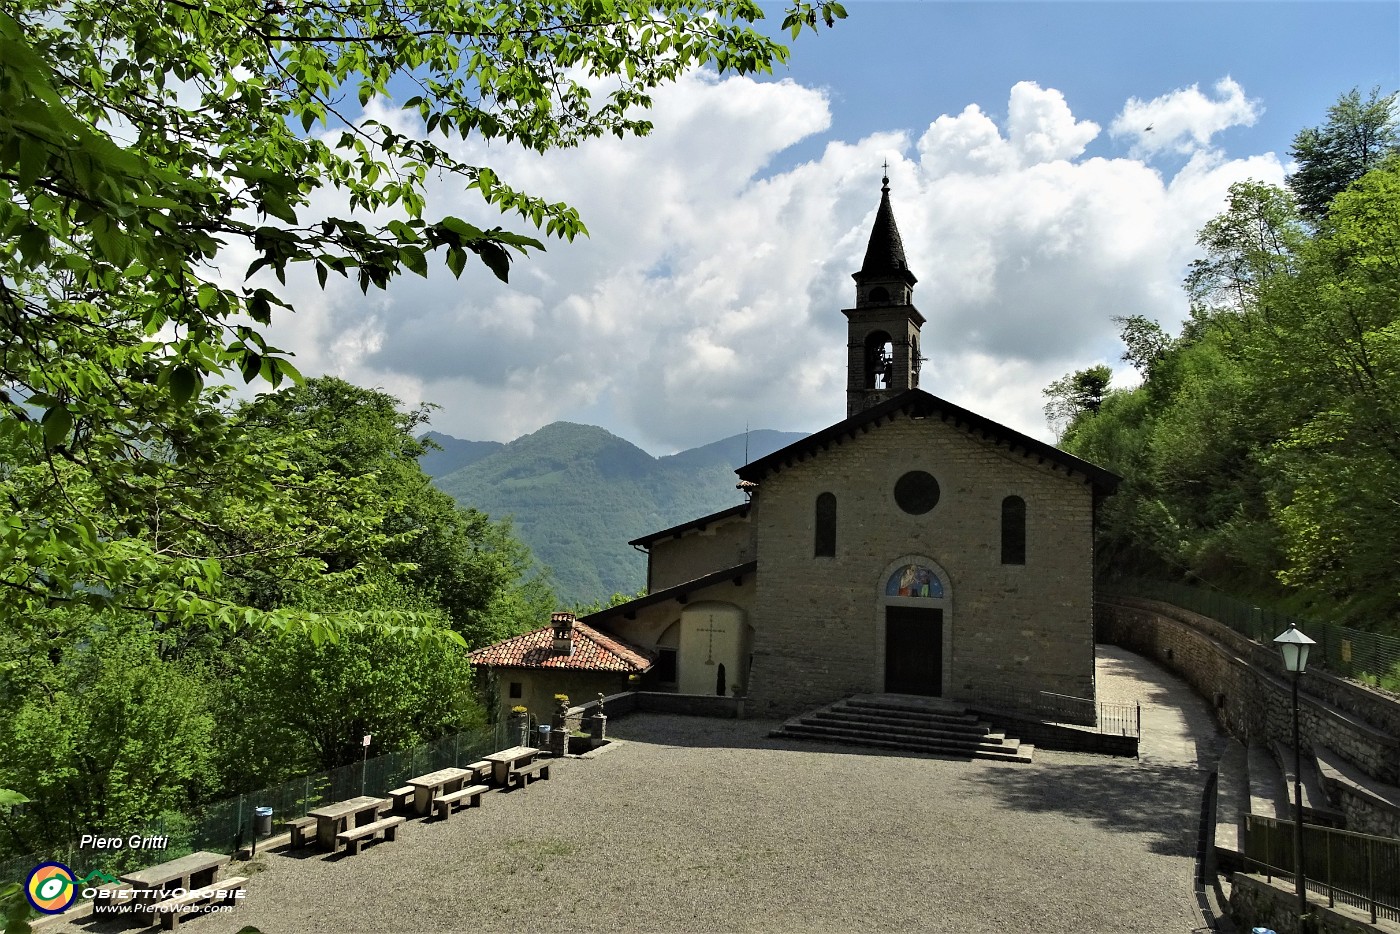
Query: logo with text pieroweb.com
<point x="52" y="887"/>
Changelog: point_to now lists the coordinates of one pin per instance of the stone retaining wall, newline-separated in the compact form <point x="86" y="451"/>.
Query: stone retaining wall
<point x="1251" y="693"/>
<point x="1258" y="902"/>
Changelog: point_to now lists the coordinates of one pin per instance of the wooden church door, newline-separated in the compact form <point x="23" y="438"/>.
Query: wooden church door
<point x="914" y="650"/>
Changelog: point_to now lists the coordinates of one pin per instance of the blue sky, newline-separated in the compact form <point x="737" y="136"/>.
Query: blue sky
<point x="891" y="64"/>
<point x="1033" y="205"/>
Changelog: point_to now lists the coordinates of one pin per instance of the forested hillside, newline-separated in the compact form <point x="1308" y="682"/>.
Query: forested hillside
<point x="576" y="494"/>
<point x="1261" y="453"/>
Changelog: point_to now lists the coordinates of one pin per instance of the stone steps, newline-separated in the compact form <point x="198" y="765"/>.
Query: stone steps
<point x="1231" y="805"/>
<point x="1267" y="795"/>
<point x="902" y="722"/>
<point x="1316" y="808"/>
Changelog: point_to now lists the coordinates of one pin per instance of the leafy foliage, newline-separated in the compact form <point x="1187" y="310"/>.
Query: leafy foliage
<point x="102" y="735"/>
<point x="1262" y="452"/>
<point x="141" y="143"/>
<point x="1357" y="137"/>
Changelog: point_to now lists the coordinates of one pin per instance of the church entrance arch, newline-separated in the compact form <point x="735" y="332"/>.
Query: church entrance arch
<point x="715" y="641"/>
<point x="913" y="626"/>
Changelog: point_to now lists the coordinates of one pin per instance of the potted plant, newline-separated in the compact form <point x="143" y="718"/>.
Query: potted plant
<point x="519" y="724"/>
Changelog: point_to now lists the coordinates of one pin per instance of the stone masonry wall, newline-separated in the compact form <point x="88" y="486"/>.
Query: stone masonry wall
<point x="819" y="628"/>
<point x="696" y="553"/>
<point x="1251" y="693"/>
<point x="1258" y="902"/>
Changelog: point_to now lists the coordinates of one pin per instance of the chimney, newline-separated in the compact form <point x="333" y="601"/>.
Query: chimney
<point x="563" y="624"/>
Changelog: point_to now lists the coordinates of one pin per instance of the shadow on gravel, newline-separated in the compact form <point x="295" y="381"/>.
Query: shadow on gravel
<point x="1162" y="803"/>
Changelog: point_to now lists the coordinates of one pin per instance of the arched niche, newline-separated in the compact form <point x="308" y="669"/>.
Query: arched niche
<point x="713" y="633"/>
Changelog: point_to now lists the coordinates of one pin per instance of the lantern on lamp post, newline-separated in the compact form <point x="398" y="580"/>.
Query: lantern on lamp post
<point x="1293" y="645"/>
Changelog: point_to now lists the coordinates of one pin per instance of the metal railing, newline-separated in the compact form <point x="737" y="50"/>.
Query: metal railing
<point x="1342" y="650"/>
<point x="1355" y="869"/>
<point x="1060" y="709"/>
<point x="224" y="825"/>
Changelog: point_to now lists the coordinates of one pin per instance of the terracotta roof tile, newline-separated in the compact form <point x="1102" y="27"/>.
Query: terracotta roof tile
<point x="593" y="651"/>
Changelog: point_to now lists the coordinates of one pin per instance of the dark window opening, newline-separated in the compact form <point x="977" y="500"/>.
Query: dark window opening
<point x="665" y="668"/>
<point x="515" y="689"/>
<point x="1013" y="530"/>
<point x="879" y="294"/>
<point x="826" y="526"/>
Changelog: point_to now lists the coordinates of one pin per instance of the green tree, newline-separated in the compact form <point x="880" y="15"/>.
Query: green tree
<point x="103" y="736"/>
<point x="1356" y="138"/>
<point x="304" y="706"/>
<point x="1079" y="393"/>
<point x="141" y="142"/>
<point x="351" y="438"/>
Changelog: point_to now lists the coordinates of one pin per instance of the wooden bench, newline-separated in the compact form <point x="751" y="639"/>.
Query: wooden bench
<point x="521" y="776"/>
<point x="171" y="909"/>
<point x="303" y="830"/>
<point x="355" y="837"/>
<point x="443" y="804"/>
<point x="402" y="796"/>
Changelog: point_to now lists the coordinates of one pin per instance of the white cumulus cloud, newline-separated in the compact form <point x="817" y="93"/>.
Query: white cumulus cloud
<point x="1184" y="120"/>
<point x="709" y="293"/>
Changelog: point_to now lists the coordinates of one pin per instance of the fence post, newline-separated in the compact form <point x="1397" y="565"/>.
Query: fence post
<point x="1371" y="877"/>
<point x="1331" y="901"/>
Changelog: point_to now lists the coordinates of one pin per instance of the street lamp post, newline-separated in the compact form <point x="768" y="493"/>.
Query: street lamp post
<point x="1293" y="645"/>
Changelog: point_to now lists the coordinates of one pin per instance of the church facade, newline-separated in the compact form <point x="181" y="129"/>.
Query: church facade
<point x="914" y="547"/>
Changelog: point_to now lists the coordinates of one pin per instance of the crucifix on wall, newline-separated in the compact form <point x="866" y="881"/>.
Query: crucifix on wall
<point x="710" y="660"/>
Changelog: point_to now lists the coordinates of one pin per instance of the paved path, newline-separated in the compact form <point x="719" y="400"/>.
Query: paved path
<point x="699" y="825"/>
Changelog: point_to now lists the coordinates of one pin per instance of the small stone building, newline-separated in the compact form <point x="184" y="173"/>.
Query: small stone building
<point x="565" y="657"/>
<point x="914" y="547"/>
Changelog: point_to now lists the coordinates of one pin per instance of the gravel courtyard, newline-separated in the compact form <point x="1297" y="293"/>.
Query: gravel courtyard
<point x="697" y="825"/>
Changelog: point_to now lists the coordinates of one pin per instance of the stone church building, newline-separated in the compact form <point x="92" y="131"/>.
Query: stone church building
<point x="914" y="547"/>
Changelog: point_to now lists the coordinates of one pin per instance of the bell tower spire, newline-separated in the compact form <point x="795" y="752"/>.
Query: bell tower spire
<point x="883" y="328"/>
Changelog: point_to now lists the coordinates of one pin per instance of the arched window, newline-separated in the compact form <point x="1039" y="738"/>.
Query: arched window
<point x="879" y="294"/>
<point x="1013" y="530"/>
<point x="879" y="360"/>
<point x="826" y="526"/>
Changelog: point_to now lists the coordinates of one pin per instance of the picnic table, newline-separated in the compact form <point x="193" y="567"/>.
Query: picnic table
<point x="335" y="818"/>
<point x="427" y="787"/>
<point x="188" y="872"/>
<point x="502" y="762"/>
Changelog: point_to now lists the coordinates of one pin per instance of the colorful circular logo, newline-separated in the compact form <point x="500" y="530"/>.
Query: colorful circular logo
<point x="51" y="888"/>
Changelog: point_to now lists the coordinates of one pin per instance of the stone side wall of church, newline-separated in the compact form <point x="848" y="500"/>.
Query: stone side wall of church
<point x="819" y="633"/>
<point x="696" y="553"/>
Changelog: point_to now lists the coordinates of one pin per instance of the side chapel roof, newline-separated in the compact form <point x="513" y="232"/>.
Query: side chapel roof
<point x="741" y="510"/>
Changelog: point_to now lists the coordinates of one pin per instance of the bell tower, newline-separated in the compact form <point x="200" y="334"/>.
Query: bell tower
<point x="883" y="328"/>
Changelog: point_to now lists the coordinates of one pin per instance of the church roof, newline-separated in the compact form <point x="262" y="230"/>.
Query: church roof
<point x="884" y="254"/>
<point x="916" y="403"/>
<point x="679" y="591"/>
<point x="593" y="651"/>
<point x="741" y="510"/>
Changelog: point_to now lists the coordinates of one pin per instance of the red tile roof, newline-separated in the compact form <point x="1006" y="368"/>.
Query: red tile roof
<point x="593" y="651"/>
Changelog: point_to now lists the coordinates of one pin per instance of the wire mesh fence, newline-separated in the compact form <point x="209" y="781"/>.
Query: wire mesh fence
<point x="223" y="826"/>
<point x="1353" y="653"/>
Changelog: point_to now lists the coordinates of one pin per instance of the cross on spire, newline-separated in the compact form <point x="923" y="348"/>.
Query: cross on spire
<point x="885" y="181"/>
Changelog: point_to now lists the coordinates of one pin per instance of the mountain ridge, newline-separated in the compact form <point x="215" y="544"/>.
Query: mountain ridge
<point x="577" y="493"/>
